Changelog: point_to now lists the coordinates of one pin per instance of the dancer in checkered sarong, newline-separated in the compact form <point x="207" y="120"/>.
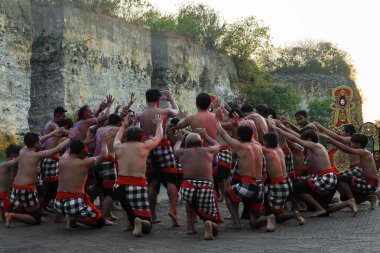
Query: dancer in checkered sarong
<point x="360" y="182"/>
<point x="6" y="177"/>
<point x="131" y="186"/>
<point x="71" y="200"/>
<point x="319" y="190"/>
<point x="279" y="185"/>
<point x="197" y="189"/>
<point x="250" y="189"/>
<point x="161" y="159"/>
<point x="24" y="192"/>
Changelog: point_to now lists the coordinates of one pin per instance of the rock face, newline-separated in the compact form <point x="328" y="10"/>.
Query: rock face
<point x="79" y="57"/>
<point x="187" y="69"/>
<point x="15" y="51"/>
<point x="320" y="86"/>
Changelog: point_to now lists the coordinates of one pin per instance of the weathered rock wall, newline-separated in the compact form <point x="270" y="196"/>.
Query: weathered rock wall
<point x="79" y="57"/>
<point x="320" y="86"/>
<point x="187" y="69"/>
<point x="15" y="51"/>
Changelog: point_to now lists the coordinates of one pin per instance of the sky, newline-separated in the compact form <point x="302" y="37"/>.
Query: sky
<point x="352" y="25"/>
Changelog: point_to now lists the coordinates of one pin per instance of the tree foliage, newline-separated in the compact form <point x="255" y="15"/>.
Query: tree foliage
<point x="320" y="111"/>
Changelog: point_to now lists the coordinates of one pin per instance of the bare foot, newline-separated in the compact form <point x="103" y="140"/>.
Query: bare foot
<point x="137" y="231"/>
<point x="191" y="231"/>
<point x="44" y="219"/>
<point x="318" y="213"/>
<point x="215" y="229"/>
<point x="334" y="200"/>
<point x="174" y="219"/>
<point x="353" y="206"/>
<point x="234" y="226"/>
<point x="109" y="223"/>
<point x="271" y="223"/>
<point x="68" y="223"/>
<point x="208" y="231"/>
<point x="372" y="199"/>
<point x="8" y="218"/>
<point x="299" y="218"/>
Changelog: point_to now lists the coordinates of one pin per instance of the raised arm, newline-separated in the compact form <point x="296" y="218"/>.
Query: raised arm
<point x="9" y="164"/>
<point x="120" y="133"/>
<point x="234" y="143"/>
<point x="55" y="132"/>
<point x="150" y="144"/>
<point x="183" y="123"/>
<point x="172" y="112"/>
<point x="46" y="153"/>
<point x="331" y="134"/>
<point x="99" y="119"/>
<point x="344" y="147"/>
<point x="179" y="139"/>
<point x="214" y="145"/>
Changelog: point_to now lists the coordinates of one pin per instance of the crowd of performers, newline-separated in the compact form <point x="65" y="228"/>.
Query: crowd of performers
<point x="218" y="155"/>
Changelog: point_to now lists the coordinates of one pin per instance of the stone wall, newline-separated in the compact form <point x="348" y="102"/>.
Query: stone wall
<point x="187" y="69"/>
<point x="79" y="57"/>
<point x="15" y="51"/>
<point x="320" y="86"/>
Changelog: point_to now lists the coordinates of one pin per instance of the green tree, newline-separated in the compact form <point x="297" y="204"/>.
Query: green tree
<point x="319" y="110"/>
<point x="283" y="98"/>
<point x="158" y="22"/>
<point x="201" y="24"/>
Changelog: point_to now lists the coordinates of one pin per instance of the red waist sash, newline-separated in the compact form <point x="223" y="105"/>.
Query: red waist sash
<point x="187" y="184"/>
<point x="326" y="171"/>
<point x="356" y="165"/>
<point x="372" y="181"/>
<point x="224" y="147"/>
<point x="277" y="180"/>
<point x="69" y="195"/>
<point x="24" y="187"/>
<point x="248" y="180"/>
<point x="164" y="143"/>
<point x="55" y="158"/>
<point x="136" y="181"/>
<point x="286" y="150"/>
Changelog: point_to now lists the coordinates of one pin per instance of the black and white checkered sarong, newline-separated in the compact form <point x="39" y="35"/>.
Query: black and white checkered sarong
<point x="49" y="168"/>
<point x="325" y="183"/>
<point x="27" y="198"/>
<point x="277" y="195"/>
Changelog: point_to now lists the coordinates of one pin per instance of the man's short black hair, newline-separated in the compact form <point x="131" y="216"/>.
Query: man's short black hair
<point x="272" y="112"/>
<point x="12" y="149"/>
<point x="114" y="119"/>
<point x="231" y="112"/>
<point x="76" y="147"/>
<point x="59" y="109"/>
<point x="65" y="122"/>
<point x="30" y="139"/>
<point x="304" y="129"/>
<point x="246" y="108"/>
<point x="271" y="139"/>
<point x="262" y="109"/>
<point x="361" y="139"/>
<point x="310" y="134"/>
<point x="301" y="113"/>
<point x="349" y="128"/>
<point x="134" y="134"/>
<point x="203" y="101"/>
<point x="81" y="111"/>
<point x="174" y="121"/>
<point x="245" y="133"/>
<point x="152" y="95"/>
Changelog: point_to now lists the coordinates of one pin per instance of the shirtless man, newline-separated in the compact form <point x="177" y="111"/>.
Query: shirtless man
<point x="260" y="122"/>
<point x="318" y="190"/>
<point x="361" y="181"/>
<point x="6" y="177"/>
<point x="250" y="189"/>
<point x="49" y="165"/>
<point x="197" y="189"/>
<point x="71" y="199"/>
<point x="161" y="161"/>
<point x="302" y="121"/>
<point x="24" y="192"/>
<point x="105" y="172"/>
<point x="131" y="186"/>
<point x="86" y="118"/>
<point x="279" y="186"/>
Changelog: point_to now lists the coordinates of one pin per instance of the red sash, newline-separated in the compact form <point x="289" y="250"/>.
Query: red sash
<point x="277" y="180"/>
<point x="187" y="184"/>
<point x="136" y="181"/>
<point x="24" y="187"/>
<point x="248" y="180"/>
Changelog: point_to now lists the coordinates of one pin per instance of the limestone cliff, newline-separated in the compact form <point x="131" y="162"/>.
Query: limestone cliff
<point x="15" y="51"/>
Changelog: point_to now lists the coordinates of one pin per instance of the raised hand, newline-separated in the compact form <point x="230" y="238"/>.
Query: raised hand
<point x="227" y="107"/>
<point x="126" y="122"/>
<point x="219" y="114"/>
<point x="103" y="105"/>
<point x="73" y="132"/>
<point x="166" y="95"/>
<point x="133" y="98"/>
<point x="117" y="109"/>
<point x="235" y="119"/>
<point x="109" y="101"/>
<point x="158" y="119"/>
<point x="179" y="135"/>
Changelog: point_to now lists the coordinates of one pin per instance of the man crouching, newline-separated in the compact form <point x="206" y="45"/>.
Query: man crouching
<point x="197" y="189"/>
<point x="71" y="200"/>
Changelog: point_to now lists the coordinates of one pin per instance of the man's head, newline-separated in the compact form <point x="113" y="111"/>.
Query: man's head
<point x="193" y="140"/>
<point x="301" y="118"/>
<point x="77" y="147"/>
<point x="131" y="117"/>
<point x="135" y="134"/>
<point x="12" y="151"/>
<point x="262" y="109"/>
<point x="203" y="101"/>
<point x="244" y="133"/>
<point x="153" y="96"/>
<point x="359" y="141"/>
<point x="310" y="135"/>
<point x="270" y="140"/>
<point x="85" y="112"/>
<point x="246" y="109"/>
<point x="32" y="140"/>
<point x="59" y="113"/>
<point x="272" y="113"/>
<point x="348" y="130"/>
<point x="115" y="120"/>
<point x="232" y="111"/>
<point x="65" y="123"/>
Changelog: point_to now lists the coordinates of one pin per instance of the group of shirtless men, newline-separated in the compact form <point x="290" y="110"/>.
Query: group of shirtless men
<point x="218" y="154"/>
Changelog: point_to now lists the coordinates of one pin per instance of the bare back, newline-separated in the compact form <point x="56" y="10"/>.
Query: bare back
<point x="83" y="127"/>
<point x="132" y="158"/>
<point x="368" y="165"/>
<point x="261" y="125"/>
<point x="275" y="162"/>
<point x="111" y="132"/>
<point x="28" y="167"/>
<point x="203" y="119"/>
<point x="6" y="178"/>
<point x="53" y="141"/>
<point x="250" y="158"/>
<point x="146" y="121"/>
<point x="320" y="157"/>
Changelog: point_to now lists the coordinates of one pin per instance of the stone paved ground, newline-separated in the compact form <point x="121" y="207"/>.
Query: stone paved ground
<point x="338" y="233"/>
